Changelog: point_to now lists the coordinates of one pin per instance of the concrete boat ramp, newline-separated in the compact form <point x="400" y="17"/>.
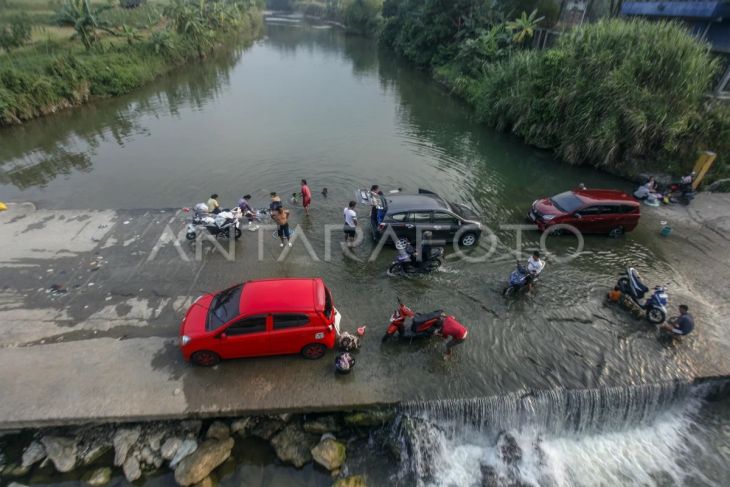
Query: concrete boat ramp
<point x="90" y="305"/>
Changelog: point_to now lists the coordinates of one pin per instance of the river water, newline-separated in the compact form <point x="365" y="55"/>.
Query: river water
<point x="310" y="102"/>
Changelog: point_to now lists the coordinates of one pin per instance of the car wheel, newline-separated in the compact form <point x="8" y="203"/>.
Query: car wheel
<point x="205" y="358"/>
<point x="655" y="316"/>
<point x="190" y="235"/>
<point x="469" y="239"/>
<point x="616" y="232"/>
<point x="313" y="351"/>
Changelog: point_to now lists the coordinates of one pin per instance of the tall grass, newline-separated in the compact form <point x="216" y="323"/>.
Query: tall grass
<point x="620" y="95"/>
<point x="53" y="75"/>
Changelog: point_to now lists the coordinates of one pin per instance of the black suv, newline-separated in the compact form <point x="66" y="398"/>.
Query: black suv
<point x="408" y="215"/>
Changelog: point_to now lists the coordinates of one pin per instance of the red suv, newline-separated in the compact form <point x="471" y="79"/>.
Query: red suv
<point x="262" y="317"/>
<point x="589" y="210"/>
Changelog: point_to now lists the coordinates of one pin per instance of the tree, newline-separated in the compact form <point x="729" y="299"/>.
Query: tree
<point x="523" y="27"/>
<point x="84" y="19"/>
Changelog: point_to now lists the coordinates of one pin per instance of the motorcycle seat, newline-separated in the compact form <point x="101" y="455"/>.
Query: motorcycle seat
<point x="422" y="318"/>
<point x="641" y="287"/>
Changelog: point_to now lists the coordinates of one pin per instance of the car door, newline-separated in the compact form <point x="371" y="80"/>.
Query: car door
<point x="399" y="223"/>
<point x="419" y="221"/>
<point x="610" y="218"/>
<point x="290" y="332"/>
<point x="445" y="226"/>
<point x="588" y="220"/>
<point x="245" y="337"/>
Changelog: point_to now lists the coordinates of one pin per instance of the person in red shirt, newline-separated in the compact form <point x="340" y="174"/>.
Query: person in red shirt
<point x="306" y="196"/>
<point x="450" y="328"/>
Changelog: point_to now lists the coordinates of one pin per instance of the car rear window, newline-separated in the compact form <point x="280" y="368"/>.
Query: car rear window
<point x="283" y="321"/>
<point x="567" y="202"/>
<point x="224" y="307"/>
<point x="463" y="211"/>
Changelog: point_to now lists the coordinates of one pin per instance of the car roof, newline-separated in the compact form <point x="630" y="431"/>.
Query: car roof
<point x="280" y="295"/>
<point x="597" y="196"/>
<point x="412" y="202"/>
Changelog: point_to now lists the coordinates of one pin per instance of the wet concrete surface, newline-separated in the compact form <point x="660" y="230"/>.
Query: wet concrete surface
<point x="91" y="301"/>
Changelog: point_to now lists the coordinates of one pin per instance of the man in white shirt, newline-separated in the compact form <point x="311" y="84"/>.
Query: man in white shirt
<point x="534" y="266"/>
<point x="350" y="223"/>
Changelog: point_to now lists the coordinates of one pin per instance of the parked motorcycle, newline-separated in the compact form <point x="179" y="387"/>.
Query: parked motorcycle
<point x="220" y="225"/>
<point x="409" y="324"/>
<point x="655" y="305"/>
<point x="406" y="261"/>
<point x="519" y="279"/>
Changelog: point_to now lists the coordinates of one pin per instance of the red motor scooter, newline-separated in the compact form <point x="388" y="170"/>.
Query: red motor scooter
<point x="409" y="324"/>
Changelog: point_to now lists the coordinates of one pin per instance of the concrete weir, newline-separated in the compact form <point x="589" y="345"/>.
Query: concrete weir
<point x="90" y="305"/>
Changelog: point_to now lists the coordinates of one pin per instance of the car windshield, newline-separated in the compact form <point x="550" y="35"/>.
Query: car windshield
<point x="463" y="211"/>
<point x="566" y="202"/>
<point x="224" y="307"/>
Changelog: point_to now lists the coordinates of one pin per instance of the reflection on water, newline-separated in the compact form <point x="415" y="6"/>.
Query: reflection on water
<point x="34" y="154"/>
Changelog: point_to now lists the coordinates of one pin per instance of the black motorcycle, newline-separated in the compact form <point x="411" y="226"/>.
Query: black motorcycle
<point x="406" y="262"/>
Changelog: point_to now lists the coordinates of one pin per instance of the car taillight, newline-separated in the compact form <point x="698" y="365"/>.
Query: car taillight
<point x="184" y="340"/>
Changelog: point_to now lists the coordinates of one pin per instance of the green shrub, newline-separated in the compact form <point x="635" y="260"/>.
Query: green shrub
<point x="130" y="3"/>
<point x="617" y="94"/>
<point x="362" y="16"/>
<point x="15" y="32"/>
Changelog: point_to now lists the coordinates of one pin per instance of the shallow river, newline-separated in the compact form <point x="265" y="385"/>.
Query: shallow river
<point x="309" y="102"/>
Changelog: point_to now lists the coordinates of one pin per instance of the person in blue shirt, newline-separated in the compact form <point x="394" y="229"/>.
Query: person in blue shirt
<point x="680" y="325"/>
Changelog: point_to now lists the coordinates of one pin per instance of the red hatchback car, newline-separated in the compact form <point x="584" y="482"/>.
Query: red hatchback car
<point x="262" y="317"/>
<point x="589" y="210"/>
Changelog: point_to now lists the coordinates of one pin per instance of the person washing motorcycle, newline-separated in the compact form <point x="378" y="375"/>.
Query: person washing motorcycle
<point x="454" y="331"/>
<point x="680" y="325"/>
<point x="419" y="257"/>
<point x="535" y="265"/>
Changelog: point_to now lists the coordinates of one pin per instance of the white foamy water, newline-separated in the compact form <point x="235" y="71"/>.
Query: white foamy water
<point x="669" y="447"/>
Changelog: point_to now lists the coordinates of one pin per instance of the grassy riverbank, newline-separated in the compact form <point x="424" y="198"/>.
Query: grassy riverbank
<point x="624" y="96"/>
<point x="122" y="50"/>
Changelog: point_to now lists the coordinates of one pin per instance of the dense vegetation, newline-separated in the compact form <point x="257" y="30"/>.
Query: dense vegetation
<point x="104" y="50"/>
<point x="624" y="96"/>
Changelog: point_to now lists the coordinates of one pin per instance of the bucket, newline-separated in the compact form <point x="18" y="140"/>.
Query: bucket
<point x="666" y="229"/>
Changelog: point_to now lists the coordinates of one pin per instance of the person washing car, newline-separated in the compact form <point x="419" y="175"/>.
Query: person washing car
<point x="680" y="325"/>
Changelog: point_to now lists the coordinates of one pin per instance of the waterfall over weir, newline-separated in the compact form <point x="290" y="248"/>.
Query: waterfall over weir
<point x="605" y="436"/>
<point x="558" y="410"/>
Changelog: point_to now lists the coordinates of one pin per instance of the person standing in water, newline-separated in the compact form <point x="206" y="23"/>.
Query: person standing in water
<point x="281" y="217"/>
<point x="306" y="196"/>
<point x="350" y="227"/>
